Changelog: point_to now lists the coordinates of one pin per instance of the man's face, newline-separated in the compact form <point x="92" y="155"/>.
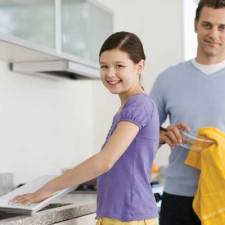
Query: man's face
<point x="210" y="29"/>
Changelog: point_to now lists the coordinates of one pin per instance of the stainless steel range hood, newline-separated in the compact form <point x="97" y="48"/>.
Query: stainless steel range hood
<point x="28" y="58"/>
<point x="61" y="67"/>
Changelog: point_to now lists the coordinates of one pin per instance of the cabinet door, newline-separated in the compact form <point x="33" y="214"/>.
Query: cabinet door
<point x="32" y="21"/>
<point x="85" y="25"/>
<point x="83" y="220"/>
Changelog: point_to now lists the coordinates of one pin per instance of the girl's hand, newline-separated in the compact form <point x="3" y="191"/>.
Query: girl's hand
<point x="30" y="198"/>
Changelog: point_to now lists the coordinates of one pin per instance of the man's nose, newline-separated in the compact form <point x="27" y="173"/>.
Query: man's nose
<point x="214" y="33"/>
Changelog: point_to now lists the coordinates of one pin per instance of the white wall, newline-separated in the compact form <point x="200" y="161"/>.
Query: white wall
<point x="45" y="125"/>
<point x="190" y="39"/>
<point x="159" y="25"/>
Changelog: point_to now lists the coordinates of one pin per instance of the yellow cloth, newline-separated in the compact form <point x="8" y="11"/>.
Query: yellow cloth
<point x="209" y="200"/>
<point x="109" y="221"/>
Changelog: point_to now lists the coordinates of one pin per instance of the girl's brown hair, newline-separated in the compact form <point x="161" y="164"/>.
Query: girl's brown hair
<point x="126" y="42"/>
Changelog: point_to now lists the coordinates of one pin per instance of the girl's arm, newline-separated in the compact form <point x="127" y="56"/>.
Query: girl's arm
<point x="95" y="166"/>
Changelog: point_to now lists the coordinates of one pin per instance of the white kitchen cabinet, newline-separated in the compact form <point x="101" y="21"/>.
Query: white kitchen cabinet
<point x="83" y="220"/>
<point x="32" y="20"/>
<point x="36" y="35"/>
<point x="76" y="27"/>
<point x="85" y="25"/>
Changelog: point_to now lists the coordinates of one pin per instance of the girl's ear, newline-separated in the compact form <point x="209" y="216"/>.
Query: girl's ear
<point x="140" y="66"/>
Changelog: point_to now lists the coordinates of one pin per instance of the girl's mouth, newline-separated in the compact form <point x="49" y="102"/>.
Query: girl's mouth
<point x="113" y="82"/>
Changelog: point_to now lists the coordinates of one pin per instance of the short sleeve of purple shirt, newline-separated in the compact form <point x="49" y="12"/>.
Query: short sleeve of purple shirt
<point x="136" y="111"/>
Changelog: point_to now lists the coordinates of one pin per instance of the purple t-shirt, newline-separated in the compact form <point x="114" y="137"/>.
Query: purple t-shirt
<point x="124" y="192"/>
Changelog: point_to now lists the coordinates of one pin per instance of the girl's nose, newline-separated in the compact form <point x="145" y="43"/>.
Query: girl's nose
<point x="110" y="72"/>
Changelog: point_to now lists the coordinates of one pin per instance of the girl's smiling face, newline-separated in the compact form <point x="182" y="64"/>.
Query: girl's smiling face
<point x="119" y="73"/>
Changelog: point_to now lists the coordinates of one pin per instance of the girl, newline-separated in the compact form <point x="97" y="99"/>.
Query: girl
<point x="125" y="160"/>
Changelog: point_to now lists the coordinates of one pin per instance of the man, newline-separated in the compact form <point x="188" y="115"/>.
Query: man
<point x="192" y="94"/>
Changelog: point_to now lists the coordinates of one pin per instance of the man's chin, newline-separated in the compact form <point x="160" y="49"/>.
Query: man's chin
<point x="211" y="53"/>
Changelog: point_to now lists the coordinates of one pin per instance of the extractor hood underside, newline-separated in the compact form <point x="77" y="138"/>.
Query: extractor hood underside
<point x="62" y="68"/>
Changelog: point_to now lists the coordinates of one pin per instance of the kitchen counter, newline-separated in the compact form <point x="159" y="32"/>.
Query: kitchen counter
<point x="68" y="207"/>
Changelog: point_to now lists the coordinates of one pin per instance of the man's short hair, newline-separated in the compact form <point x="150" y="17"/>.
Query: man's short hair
<point x="215" y="4"/>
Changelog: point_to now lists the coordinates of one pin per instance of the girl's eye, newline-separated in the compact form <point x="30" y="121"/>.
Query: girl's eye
<point x="120" y="66"/>
<point x="103" y="67"/>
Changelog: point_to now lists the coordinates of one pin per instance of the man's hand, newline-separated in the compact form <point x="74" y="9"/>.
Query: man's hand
<point x="172" y="134"/>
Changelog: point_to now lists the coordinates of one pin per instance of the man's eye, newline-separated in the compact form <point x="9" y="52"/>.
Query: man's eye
<point x="120" y="66"/>
<point x="206" y="25"/>
<point x="103" y="66"/>
<point x="222" y="27"/>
